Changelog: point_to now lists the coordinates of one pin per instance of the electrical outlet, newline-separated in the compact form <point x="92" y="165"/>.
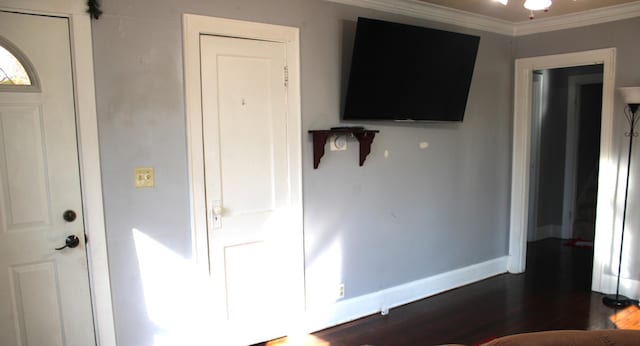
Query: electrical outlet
<point x="143" y="177"/>
<point x="340" y="291"/>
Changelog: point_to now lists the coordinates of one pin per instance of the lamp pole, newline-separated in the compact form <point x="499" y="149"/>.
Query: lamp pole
<point x="617" y="300"/>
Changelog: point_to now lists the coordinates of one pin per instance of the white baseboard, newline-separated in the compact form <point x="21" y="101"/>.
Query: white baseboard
<point x="548" y="231"/>
<point x="358" y="307"/>
<point x="628" y="287"/>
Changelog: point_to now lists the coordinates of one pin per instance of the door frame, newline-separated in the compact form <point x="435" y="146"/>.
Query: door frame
<point x="538" y="85"/>
<point x="88" y="152"/>
<point x="193" y="27"/>
<point x="571" y="149"/>
<point x="605" y="213"/>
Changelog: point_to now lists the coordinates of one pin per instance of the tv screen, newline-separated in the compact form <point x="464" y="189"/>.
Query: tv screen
<point x="409" y="73"/>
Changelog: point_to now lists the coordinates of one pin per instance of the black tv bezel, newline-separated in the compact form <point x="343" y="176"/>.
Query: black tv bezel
<point x="472" y="44"/>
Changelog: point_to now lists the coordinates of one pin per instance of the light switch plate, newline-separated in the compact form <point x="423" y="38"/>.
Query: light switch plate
<point x="143" y="177"/>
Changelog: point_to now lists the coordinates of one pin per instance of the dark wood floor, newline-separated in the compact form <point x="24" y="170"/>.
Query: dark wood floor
<point x="553" y="294"/>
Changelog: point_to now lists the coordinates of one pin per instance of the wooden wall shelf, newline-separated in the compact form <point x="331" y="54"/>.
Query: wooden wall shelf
<point x="364" y="137"/>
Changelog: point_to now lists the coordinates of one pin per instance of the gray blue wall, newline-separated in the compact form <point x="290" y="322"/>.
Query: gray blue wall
<point x="409" y="216"/>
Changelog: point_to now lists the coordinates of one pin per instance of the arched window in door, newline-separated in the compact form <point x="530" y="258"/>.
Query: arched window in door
<point x="16" y="72"/>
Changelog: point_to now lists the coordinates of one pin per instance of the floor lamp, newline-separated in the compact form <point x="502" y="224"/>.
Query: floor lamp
<point x="631" y="98"/>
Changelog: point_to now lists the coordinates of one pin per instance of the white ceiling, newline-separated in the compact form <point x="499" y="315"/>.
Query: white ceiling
<point x="515" y="12"/>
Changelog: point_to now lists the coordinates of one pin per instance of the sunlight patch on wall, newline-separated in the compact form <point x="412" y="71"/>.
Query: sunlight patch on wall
<point x="607" y="181"/>
<point x="628" y="250"/>
<point x="177" y="296"/>
<point x="253" y="290"/>
<point x="324" y="275"/>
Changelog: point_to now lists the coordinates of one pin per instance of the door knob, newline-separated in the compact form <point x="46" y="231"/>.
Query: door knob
<point x="69" y="215"/>
<point x="71" y="242"/>
<point x="216" y="214"/>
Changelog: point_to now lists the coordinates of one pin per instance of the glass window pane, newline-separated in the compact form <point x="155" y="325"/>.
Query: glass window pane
<point x="11" y="70"/>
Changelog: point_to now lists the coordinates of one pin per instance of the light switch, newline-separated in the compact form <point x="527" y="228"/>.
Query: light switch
<point x="143" y="177"/>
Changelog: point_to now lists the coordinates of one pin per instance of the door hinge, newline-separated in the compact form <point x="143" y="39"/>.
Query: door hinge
<point x="286" y="76"/>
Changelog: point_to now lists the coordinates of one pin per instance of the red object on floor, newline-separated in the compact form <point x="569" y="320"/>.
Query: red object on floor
<point x="579" y="243"/>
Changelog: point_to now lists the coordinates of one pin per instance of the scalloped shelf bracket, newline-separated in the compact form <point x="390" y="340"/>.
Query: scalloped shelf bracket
<point x="364" y="137"/>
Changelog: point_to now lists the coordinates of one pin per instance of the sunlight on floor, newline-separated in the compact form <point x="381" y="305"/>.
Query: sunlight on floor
<point x="307" y="340"/>
<point x="628" y="318"/>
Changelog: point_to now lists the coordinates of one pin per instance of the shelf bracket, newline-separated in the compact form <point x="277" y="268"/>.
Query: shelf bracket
<point x="319" y="141"/>
<point x="364" y="137"/>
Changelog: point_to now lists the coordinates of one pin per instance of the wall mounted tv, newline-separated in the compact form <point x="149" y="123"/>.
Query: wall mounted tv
<point x="409" y="73"/>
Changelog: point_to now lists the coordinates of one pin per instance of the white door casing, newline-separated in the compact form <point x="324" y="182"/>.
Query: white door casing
<point x="244" y="145"/>
<point x="605" y="214"/>
<point x="44" y="293"/>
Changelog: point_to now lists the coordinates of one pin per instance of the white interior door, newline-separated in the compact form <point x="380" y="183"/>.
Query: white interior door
<point x="253" y="226"/>
<point x="44" y="293"/>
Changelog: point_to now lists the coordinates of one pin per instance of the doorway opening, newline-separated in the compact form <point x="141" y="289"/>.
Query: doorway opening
<point x="521" y="169"/>
<point x="566" y="110"/>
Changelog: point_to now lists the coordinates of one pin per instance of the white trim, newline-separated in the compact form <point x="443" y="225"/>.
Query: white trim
<point x="428" y="11"/>
<point x="442" y="14"/>
<point x="88" y="153"/>
<point x="628" y="287"/>
<point x="354" y="308"/>
<point x="193" y="27"/>
<point x="579" y="19"/>
<point x="571" y="150"/>
<point x="62" y="8"/>
<point x="605" y="220"/>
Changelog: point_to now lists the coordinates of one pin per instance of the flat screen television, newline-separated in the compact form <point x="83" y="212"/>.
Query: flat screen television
<point x="408" y="73"/>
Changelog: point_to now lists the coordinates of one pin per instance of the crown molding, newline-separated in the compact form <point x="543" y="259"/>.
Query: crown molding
<point x="424" y="10"/>
<point x="578" y="19"/>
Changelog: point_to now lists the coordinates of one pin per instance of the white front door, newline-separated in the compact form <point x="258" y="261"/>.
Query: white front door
<point x="44" y="292"/>
<point x="253" y="228"/>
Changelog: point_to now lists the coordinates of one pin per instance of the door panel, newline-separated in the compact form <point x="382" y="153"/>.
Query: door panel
<point x="248" y="188"/>
<point x="245" y="90"/>
<point x="25" y="200"/>
<point x="37" y="306"/>
<point x="44" y="293"/>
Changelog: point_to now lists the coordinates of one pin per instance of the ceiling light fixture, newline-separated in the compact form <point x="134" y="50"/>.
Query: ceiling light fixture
<point x="537" y="5"/>
<point x="532" y="5"/>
